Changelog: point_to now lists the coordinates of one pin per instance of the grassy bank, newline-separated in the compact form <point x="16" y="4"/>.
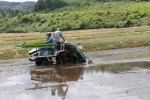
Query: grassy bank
<point x="91" y="39"/>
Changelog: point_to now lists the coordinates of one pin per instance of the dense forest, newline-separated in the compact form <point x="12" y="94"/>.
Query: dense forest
<point x="28" y="5"/>
<point x="50" y="5"/>
<point x="78" y="14"/>
<point x="9" y="4"/>
<point x="11" y="9"/>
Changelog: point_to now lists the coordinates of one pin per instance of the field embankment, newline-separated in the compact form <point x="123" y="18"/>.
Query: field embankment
<point x="91" y="39"/>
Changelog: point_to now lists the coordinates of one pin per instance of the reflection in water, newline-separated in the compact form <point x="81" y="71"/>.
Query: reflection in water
<point x="57" y="77"/>
<point x="118" y="67"/>
<point x="45" y="75"/>
<point x="61" y="92"/>
<point x="118" y="81"/>
<point x="58" y="74"/>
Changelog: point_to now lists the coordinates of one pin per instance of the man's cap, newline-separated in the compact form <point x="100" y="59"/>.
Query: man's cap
<point x="78" y="42"/>
<point x="48" y="33"/>
<point x="58" y="28"/>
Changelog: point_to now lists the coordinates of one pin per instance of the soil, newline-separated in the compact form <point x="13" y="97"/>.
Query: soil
<point x="120" y="74"/>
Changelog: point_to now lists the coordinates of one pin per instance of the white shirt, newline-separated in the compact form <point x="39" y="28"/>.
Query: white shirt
<point x="57" y="35"/>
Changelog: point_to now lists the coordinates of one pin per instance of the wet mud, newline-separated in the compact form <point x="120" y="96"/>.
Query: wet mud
<point x="120" y="74"/>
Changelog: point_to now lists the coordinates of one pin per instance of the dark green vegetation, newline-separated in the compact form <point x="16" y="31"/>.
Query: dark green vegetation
<point x="49" y="5"/>
<point x="77" y="16"/>
<point x="9" y="4"/>
<point x="12" y="9"/>
<point x="20" y="5"/>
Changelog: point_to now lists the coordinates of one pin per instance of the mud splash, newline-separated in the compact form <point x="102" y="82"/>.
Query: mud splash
<point x="119" y="74"/>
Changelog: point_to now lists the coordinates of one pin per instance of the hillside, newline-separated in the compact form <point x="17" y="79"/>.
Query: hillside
<point x="9" y="4"/>
<point x="96" y="15"/>
<point x="9" y="9"/>
<point x="23" y="5"/>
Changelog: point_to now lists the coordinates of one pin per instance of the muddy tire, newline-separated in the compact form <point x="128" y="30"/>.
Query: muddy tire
<point x="82" y="60"/>
<point x="62" y="58"/>
<point x="38" y="63"/>
<point x="46" y="62"/>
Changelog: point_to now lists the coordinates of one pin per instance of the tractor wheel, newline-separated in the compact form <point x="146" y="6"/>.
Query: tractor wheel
<point x="38" y="63"/>
<point x="46" y="62"/>
<point x="62" y="58"/>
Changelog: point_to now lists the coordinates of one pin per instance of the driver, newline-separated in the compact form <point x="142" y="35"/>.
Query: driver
<point x="49" y="38"/>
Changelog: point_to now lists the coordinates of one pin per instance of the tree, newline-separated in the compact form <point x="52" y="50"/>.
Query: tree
<point x="3" y="13"/>
<point x="49" y="4"/>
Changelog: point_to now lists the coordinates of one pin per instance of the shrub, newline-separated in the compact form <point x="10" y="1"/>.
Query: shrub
<point x="120" y="24"/>
<point x="84" y="24"/>
<point x="19" y="15"/>
<point x="43" y="20"/>
<point x="34" y="13"/>
<point x="40" y="24"/>
<point x="141" y="13"/>
<point x="133" y="16"/>
<point x="66" y="26"/>
<point x="21" y="25"/>
<point x="76" y="17"/>
<point x="65" y="13"/>
<point x="15" y="31"/>
<point x="37" y="18"/>
<point x="27" y="19"/>
<point x="128" y="22"/>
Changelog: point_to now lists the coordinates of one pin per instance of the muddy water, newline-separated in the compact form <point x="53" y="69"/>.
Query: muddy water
<point x="121" y="74"/>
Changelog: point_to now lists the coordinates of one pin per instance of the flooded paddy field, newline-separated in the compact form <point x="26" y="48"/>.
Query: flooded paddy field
<point x="119" y="74"/>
